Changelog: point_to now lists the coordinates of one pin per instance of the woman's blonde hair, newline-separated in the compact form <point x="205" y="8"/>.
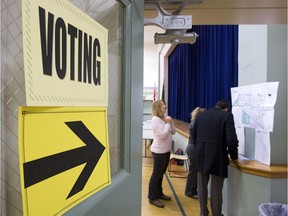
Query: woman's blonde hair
<point x="156" y="108"/>
<point x="195" y="112"/>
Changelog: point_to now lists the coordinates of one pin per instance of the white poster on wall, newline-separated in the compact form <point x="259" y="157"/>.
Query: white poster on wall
<point x="253" y="107"/>
<point x="262" y="146"/>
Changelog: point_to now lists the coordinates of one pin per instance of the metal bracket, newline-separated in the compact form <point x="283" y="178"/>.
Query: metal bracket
<point x="175" y="25"/>
<point x="167" y="20"/>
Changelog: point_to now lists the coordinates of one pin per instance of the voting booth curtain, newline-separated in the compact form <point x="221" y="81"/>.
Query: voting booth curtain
<point x="199" y="74"/>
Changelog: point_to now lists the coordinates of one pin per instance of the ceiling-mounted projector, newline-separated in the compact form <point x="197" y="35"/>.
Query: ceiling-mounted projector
<point x="184" y="38"/>
<point x="176" y="26"/>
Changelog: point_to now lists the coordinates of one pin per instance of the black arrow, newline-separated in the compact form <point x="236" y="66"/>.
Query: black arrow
<point x="40" y="169"/>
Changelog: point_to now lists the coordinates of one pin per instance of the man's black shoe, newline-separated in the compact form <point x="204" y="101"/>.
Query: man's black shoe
<point x="194" y="196"/>
<point x="165" y="197"/>
<point x="157" y="203"/>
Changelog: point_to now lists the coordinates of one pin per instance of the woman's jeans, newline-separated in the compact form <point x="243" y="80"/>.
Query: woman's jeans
<point x="160" y="165"/>
<point x="191" y="182"/>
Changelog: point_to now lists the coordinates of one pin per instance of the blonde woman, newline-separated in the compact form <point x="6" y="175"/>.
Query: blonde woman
<point x="163" y="128"/>
<point x="191" y="182"/>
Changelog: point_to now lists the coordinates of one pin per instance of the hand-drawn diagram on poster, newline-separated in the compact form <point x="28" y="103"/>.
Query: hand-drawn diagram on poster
<point x="253" y="107"/>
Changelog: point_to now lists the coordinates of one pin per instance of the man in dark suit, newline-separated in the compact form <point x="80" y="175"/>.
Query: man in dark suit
<point x="215" y="138"/>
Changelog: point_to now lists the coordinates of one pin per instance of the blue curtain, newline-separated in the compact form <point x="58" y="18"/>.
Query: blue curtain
<point x="200" y="74"/>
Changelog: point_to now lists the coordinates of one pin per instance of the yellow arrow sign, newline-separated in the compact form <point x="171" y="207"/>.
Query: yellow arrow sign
<point x="64" y="157"/>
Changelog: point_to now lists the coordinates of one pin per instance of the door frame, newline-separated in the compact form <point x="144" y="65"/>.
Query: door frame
<point x="123" y="196"/>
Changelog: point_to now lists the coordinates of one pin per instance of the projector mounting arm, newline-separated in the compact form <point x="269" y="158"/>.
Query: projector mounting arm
<point x="175" y="26"/>
<point x="166" y="20"/>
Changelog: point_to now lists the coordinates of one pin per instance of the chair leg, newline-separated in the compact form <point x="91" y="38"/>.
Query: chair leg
<point x="172" y="174"/>
<point x="169" y="168"/>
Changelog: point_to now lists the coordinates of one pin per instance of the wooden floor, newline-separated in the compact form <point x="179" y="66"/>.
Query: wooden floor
<point x="180" y="205"/>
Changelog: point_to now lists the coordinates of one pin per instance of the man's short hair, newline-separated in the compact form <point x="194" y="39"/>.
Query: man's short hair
<point x="222" y="104"/>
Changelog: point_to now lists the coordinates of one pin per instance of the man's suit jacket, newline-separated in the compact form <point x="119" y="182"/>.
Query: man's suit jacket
<point x="215" y="138"/>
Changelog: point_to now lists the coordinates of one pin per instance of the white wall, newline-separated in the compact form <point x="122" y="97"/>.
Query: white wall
<point x="151" y="57"/>
<point x="252" y="54"/>
<point x="263" y="50"/>
<point x="150" y="65"/>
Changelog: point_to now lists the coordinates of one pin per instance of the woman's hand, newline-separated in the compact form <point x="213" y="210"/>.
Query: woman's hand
<point x="168" y="119"/>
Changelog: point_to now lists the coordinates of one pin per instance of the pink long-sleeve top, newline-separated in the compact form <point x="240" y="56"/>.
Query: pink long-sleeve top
<point x="162" y="141"/>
